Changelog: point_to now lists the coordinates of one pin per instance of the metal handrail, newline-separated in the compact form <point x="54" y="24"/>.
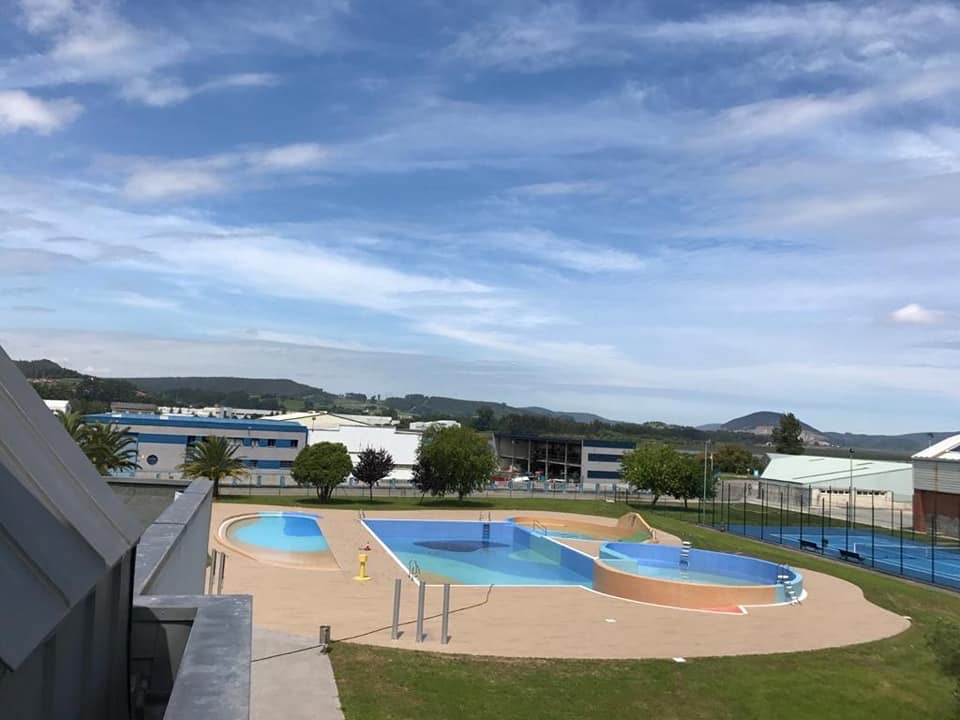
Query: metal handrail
<point x="538" y="524"/>
<point x="414" y="570"/>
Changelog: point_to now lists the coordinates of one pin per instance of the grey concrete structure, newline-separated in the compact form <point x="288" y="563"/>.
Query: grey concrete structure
<point x="936" y="487"/>
<point x="573" y="460"/>
<point x="72" y="644"/>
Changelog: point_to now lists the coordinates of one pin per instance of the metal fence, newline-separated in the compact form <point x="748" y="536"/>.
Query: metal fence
<point x="862" y="527"/>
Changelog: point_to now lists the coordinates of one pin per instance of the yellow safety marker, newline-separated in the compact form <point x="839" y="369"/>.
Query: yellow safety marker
<point x="363" y="569"/>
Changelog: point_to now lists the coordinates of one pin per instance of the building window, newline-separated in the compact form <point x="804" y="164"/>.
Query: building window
<point x="286" y="463"/>
<point x="271" y="442"/>
<point x="152" y="459"/>
<point x="294" y="443"/>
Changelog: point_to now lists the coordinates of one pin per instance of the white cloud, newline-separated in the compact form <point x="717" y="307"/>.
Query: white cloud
<point x="21" y="111"/>
<point x="549" y="189"/>
<point x="162" y="92"/>
<point x="291" y="157"/>
<point x="161" y="183"/>
<point x="914" y="314"/>
<point x="146" y="302"/>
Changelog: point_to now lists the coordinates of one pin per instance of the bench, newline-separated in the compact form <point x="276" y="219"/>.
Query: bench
<point x="809" y="545"/>
<point x="851" y="555"/>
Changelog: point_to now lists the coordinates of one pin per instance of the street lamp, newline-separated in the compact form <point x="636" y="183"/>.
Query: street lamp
<point x="703" y="497"/>
<point x="850" y="493"/>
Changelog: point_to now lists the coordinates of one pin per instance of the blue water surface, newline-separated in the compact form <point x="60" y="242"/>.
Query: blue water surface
<point x="464" y="552"/>
<point x="288" y="532"/>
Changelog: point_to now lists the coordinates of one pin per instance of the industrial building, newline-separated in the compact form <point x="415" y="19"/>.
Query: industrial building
<point x="936" y="487"/>
<point x="267" y="448"/>
<point x="565" y="459"/>
<point x="401" y="444"/>
<point x="813" y="476"/>
<point x="323" y="420"/>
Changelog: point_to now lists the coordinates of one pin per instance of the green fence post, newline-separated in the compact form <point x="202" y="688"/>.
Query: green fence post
<point x="873" y="531"/>
<point x="781" y="516"/>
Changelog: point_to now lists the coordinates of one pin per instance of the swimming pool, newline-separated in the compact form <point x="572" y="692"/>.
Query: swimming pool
<point x="284" y="538"/>
<point x="481" y="553"/>
<point x="289" y="532"/>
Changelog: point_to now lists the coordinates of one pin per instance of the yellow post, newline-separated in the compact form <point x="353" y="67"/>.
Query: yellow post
<point x="363" y="568"/>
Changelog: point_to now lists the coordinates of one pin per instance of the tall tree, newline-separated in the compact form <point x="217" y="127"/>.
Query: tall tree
<point x="213" y="458"/>
<point x="457" y="459"/>
<point x="732" y="458"/>
<point x="654" y="467"/>
<point x="322" y="466"/>
<point x="787" y="436"/>
<point x="373" y="465"/>
<point x="108" y="448"/>
<point x="427" y="480"/>
<point x="688" y="478"/>
<point x="484" y="419"/>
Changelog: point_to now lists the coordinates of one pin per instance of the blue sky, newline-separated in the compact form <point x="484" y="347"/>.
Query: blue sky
<point x="635" y="209"/>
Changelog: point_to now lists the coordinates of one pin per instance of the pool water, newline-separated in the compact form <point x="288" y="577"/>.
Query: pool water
<point x="468" y="554"/>
<point x="678" y="574"/>
<point x="287" y="532"/>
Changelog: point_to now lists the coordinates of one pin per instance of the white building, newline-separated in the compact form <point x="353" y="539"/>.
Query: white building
<point x="892" y="481"/>
<point x="58" y="406"/>
<point x="401" y="444"/>
<point x="322" y="420"/>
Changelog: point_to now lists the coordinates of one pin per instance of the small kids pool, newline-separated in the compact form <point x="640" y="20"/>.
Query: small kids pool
<point x="286" y="538"/>
<point x="481" y="553"/>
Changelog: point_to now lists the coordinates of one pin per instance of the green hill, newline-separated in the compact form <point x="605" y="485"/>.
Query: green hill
<point x="275" y="387"/>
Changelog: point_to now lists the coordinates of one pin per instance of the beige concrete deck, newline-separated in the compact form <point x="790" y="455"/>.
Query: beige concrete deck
<point x="531" y="622"/>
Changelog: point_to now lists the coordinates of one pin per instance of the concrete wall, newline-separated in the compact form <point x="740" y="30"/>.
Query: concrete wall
<point x="173" y="550"/>
<point x="146" y="499"/>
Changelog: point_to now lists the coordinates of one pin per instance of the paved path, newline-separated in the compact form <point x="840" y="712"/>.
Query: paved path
<point x="289" y="684"/>
<point x="529" y="621"/>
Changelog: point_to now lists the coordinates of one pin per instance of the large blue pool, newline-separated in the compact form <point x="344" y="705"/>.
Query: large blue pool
<point x="483" y="553"/>
<point x="283" y="531"/>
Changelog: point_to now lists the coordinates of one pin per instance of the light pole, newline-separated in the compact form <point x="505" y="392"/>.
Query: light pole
<point x="850" y="493"/>
<point x="703" y="497"/>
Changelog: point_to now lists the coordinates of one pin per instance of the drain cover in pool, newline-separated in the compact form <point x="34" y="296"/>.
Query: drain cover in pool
<point x="459" y="546"/>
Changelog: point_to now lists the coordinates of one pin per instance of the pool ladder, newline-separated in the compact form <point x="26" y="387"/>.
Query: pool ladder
<point x="361" y="514"/>
<point x="487" y="518"/>
<point x="537" y="525"/>
<point x="685" y="560"/>
<point x="414" y="571"/>
<point x="783" y="578"/>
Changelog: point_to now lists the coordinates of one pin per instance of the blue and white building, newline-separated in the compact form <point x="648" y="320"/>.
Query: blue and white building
<point x="268" y="448"/>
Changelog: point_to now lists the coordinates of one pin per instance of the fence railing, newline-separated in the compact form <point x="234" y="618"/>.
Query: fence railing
<point x="853" y="527"/>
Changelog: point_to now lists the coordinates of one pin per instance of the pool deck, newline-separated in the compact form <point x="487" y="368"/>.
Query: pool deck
<point x="554" y="622"/>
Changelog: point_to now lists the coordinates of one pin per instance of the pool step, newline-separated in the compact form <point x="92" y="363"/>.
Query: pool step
<point x="685" y="560"/>
<point x="486" y="532"/>
<point x="783" y="578"/>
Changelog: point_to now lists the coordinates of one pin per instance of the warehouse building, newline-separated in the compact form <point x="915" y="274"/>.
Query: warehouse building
<point x="936" y="487"/>
<point x="267" y="448"/>
<point x="401" y="444"/>
<point x="566" y="459"/>
<point x="815" y="477"/>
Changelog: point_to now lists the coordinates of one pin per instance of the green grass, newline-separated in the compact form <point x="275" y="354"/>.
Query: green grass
<point x="894" y="678"/>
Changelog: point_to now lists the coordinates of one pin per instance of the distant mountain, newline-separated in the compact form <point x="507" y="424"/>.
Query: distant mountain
<point x="435" y="405"/>
<point x="45" y="370"/>
<point x="276" y="387"/>
<point x="762" y="423"/>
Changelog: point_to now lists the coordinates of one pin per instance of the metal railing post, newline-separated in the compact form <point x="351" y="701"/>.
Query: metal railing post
<point x="421" y="601"/>
<point x="212" y="571"/>
<point x="223" y="563"/>
<point x="395" y="630"/>
<point x="445" y="623"/>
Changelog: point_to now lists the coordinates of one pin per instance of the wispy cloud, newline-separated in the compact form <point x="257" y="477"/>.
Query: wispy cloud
<point x="151" y="180"/>
<point x="146" y="302"/>
<point x="22" y="111"/>
<point x="559" y="188"/>
<point x="163" y="92"/>
<point x="915" y="314"/>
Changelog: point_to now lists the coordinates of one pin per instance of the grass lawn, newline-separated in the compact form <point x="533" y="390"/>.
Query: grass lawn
<point x="894" y="678"/>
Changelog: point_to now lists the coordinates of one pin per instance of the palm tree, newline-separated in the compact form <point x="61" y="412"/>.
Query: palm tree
<point x="75" y="425"/>
<point x="109" y="448"/>
<point x="213" y="458"/>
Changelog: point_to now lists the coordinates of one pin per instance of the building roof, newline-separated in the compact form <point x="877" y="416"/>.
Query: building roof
<point x="63" y="527"/>
<point x="321" y="419"/>
<point x="190" y="421"/>
<point x="948" y="449"/>
<point x="818" y="469"/>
